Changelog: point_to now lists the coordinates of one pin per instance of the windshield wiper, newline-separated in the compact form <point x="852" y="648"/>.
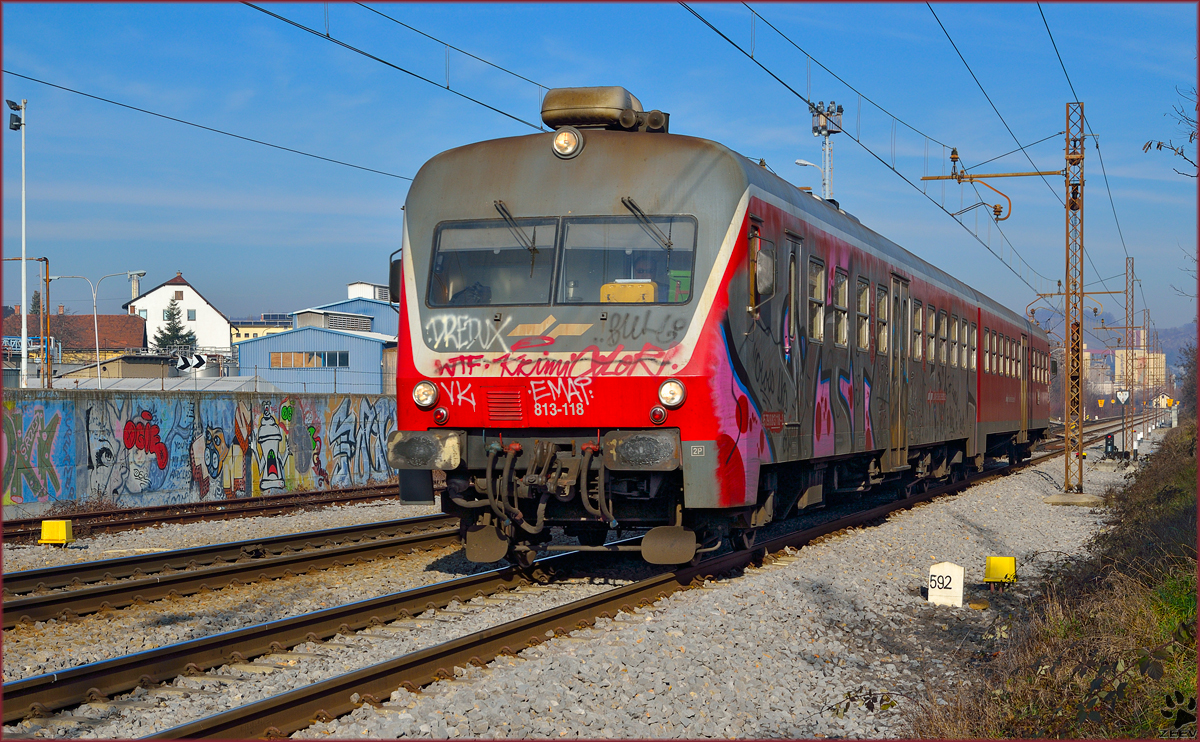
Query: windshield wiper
<point x="525" y="241"/>
<point x="515" y="228"/>
<point x="650" y="226"/>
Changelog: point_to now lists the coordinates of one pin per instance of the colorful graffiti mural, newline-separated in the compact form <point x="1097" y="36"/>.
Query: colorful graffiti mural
<point x="146" y="449"/>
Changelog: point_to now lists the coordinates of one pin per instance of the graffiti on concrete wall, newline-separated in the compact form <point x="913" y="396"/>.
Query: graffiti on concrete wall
<point x="140" y="450"/>
<point x="37" y="448"/>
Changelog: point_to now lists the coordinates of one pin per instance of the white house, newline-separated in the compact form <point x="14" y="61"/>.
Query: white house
<point x="212" y="328"/>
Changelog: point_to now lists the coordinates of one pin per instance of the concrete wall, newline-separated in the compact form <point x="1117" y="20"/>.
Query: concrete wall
<point x="141" y="449"/>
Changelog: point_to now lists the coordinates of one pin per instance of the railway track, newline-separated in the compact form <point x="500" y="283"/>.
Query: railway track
<point x="293" y="710"/>
<point x="111" y="521"/>
<point x="357" y="543"/>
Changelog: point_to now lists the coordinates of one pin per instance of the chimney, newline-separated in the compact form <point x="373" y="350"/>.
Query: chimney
<point x="62" y="309"/>
<point x="18" y="308"/>
<point x="135" y="283"/>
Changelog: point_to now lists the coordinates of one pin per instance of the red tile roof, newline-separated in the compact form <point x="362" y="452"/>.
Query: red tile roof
<point x="75" y="331"/>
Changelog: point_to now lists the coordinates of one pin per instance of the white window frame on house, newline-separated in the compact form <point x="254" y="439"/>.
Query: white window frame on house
<point x="191" y="315"/>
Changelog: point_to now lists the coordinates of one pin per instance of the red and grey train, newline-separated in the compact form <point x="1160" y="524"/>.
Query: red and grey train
<point x="612" y="326"/>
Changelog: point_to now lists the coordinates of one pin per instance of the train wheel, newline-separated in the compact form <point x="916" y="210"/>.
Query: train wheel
<point x="743" y="540"/>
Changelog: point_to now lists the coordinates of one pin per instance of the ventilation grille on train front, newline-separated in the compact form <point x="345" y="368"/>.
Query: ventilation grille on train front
<point x="504" y="404"/>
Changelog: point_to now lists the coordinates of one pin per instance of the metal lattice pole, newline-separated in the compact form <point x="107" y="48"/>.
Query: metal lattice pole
<point x="1127" y="425"/>
<point x="1073" y="408"/>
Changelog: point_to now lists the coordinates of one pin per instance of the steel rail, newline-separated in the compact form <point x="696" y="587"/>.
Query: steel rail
<point x="293" y="710"/>
<point x="128" y="592"/>
<point x="43" y="694"/>
<point x="110" y="521"/>
<point x="140" y="565"/>
<point x="46" y="693"/>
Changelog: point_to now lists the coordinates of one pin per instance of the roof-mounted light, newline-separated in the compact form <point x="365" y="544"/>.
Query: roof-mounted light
<point x="568" y="142"/>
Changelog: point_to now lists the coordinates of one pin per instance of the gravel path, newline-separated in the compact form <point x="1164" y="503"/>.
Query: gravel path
<point x="172" y="536"/>
<point x="763" y="655"/>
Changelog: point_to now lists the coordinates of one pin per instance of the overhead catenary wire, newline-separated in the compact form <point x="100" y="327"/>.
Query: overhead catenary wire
<point x="451" y="46"/>
<point x="857" y="137"/>
<point x="1095" y="139"/>
<point x="993" y="105"/>
<point x="205" y="128"/>
<point x="858" y="141"/>
<point x="396" y="67"/>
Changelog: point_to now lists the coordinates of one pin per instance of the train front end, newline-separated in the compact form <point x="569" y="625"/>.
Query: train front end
<point x="560" y="298"/>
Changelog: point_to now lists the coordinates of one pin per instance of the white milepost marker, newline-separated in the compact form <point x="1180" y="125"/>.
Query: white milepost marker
<point x="946" y="584"/>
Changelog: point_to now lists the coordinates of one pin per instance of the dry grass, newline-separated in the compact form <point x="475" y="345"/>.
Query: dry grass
<point x="1081" y="646"/>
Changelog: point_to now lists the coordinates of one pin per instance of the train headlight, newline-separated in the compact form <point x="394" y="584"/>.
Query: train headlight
<point x="425" y="395"/>
<point x="671" y="393"/>
<point x="568" y="142"/>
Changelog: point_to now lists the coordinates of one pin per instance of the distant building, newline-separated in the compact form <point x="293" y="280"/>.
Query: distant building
<point x="264" y="324"/>
<point x="364" y="290"/>
<point x="347" y="346"/>
<point x="75" y="335"/>
<point x="212" y="328"/>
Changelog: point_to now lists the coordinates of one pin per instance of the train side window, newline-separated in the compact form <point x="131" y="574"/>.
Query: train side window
<point x="962" y="343"/>
<point x="881" y="320"/>
<point x="864" y="313"/>
<point x="942" y="336"/>
<point x="974" y="346"/>
<point x="841" y="301"/>
<point x="1020" y="360"/>
<point x="816" y="299"/>
<point x="994" y="353"/>
<point x="1008" y="357"/>
<point x="918" y="331"/>
<point x="954" y="341"/>
<point x="931" y="330"/>
<point x="987" y="351"/>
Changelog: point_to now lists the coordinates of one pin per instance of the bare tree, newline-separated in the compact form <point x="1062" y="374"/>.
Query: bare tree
<point x="1185" y="116"/>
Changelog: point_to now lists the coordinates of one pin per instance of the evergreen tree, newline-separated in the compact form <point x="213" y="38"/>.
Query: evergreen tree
<point x="35" y="304"/>
<point x="173" y="334"/>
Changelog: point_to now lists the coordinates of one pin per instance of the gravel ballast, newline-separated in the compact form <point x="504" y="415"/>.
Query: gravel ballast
<point x="172" y="536"/>
<point x="766" y="654"/>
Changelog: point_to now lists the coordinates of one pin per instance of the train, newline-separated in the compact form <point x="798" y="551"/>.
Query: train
<point x="610" y="327"/>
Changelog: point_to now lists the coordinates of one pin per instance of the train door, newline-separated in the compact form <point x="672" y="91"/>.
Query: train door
<point x="898" y="377"/>
<point x="1023" y="372"/>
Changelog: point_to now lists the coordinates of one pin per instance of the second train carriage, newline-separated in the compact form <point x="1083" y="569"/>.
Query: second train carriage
<point x="614" y="326"/>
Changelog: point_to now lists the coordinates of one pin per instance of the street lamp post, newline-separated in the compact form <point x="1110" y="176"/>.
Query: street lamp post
<point x="806" y="163"/>
<point x="95" y="317"/>
<point x="15" y="123"/>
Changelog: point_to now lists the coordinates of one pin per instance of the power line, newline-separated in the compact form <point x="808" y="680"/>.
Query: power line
<point x="396" y="67"/>
<point x="1018" y="149"/>
<point x="869" y="151"/>
<point x="1095" y="139"/>
<point x="989" y="100"/>
<point x="206" y="128"/>
<point x="451" y="46"/>
<point x="835" y="76"/>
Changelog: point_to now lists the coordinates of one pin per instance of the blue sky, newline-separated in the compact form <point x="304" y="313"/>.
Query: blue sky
<point x="260" y="230"/>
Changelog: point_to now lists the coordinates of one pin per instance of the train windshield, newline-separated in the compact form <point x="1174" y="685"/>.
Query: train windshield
<point x="624" y="260"/>
<point x="487" y="263"/>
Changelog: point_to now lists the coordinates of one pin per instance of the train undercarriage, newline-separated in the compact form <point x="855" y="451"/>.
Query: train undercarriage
<point x="532" y="484"/>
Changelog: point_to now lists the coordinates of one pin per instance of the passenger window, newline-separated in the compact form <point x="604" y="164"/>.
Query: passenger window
<point x="816" y="300"/>
<point x="918" y="325"/>
<point x="954" y="341"/>
<point x="789" y="306"/>
<point x="840" y="303"/>
<point x="931" y="318"/>
<point x="881" y="320"/>
<point x="864" y="314"/>
<point x="974" y="346"/>
<point x="942" y="336"/>
<point x="962" y="343"/>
